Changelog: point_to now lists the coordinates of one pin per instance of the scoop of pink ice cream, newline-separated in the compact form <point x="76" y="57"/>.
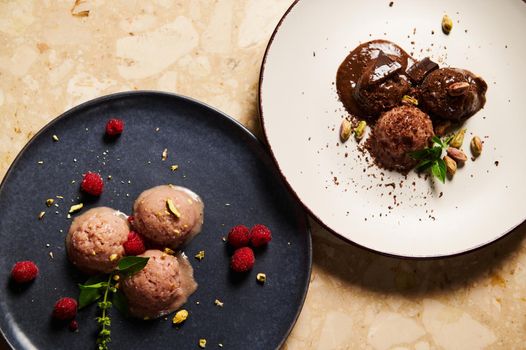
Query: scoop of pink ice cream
<point x="158" y="224"/>
<point x="95" y="238"/>
<point x="161" y="287"/>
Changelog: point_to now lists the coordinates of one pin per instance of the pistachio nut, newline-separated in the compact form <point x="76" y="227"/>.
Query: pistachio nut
<point x="451" y="166"/>
<point x="447" y="24"/>
<point x="458" y="139"/>
<point x="476" y="146"/>
<point x="345" y="130"/>
<point x="359" y="131"/>
<point x="456" y="154"/>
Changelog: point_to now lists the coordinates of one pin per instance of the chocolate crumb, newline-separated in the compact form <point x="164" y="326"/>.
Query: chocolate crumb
<point x="496" y="163"/>
<point x="391" y="4"/>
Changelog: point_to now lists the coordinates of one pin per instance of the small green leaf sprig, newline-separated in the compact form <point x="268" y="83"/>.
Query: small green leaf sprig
<point x="431" y="158"/>
<point x="105" y="287"/>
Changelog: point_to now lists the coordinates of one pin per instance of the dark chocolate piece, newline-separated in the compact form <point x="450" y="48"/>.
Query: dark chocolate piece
<point x="418" y="71"/>
<point x="382" y="69"/>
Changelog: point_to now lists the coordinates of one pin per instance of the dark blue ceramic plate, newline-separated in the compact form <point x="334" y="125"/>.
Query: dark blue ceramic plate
<point x="218" y="159"/>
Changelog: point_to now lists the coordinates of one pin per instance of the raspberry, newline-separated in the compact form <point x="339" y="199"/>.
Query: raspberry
<point x="242" y="260"/>
<point x="131" y="218"/>
<point x="92" y="184"/>
<point x="24" y="271"/>
<point x="260" y="235"/>
<point x="65" y="309"/>
<point x="73" y="325"/>
<point x="238" y="236"/>
<point x="114" y="127"/>
<point x="134" y="245"/>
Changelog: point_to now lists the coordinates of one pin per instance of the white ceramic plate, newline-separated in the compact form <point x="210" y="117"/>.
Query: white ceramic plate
<point x="301" y="115"/>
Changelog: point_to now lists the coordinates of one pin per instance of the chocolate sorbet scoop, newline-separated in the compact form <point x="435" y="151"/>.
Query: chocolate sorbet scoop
<point x="381" y="86"/>
<point x="397" y="133"/>
<point x="452" y="93"/>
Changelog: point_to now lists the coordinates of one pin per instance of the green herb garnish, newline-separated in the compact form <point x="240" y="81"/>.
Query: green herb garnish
<point x="431" y="158"/>
<point x="105" y="287"/>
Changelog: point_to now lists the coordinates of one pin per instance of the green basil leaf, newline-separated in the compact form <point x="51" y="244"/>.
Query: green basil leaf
<point x="88" y="296"/>
<point x="436" y="152"/>
<point x="420" y="154"/>
<point x="120" y="302"/>
<point x="443" y="170"/>
<point x="423" y="165"/>
<point x="96" y="279"/>
<point x="438" y="171"/>
<point x="132" y="264"/>
<point x="437" y="140"/>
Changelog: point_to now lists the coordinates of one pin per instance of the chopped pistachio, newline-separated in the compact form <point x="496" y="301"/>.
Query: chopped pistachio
<point x="172" y="208"/>
<point x="174" y="167"/>
<point x="261" y="277"/>
<point x="200" y="255"/>
<point x="165" y="154"/>
<point x="55" y="138"/>
<point x="75" y="208"/>
<point x="50" y="201"/>
<point x="113" y="257"/>
<point x="410" y="100"/>
<point x="116" y="278"/>
<point x="169" y="251"/>
<point x="41" y="215"/>
<point x="180" y="316"/>
<point x="202" y="343"/>
<point x="218" y="303"/>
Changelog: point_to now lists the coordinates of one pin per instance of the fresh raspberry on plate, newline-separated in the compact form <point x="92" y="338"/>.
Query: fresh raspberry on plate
<point x="73" y="325"/>
<point x="242" y="260"/>
<point x="134" y="245"/>
<point x="114" y="127"/>
<point x="92" y="184"/>
<point x="260" y="235"/>
<point x="65" y="309"/>
<point x="24" y="271"/>
<point x="238" y="236"/>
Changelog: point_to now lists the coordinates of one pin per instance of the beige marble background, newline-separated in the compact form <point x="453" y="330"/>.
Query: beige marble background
<point x="51" y="60"/>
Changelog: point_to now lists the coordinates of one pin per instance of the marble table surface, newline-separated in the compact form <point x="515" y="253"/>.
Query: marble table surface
<point x="51" y="60"/>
